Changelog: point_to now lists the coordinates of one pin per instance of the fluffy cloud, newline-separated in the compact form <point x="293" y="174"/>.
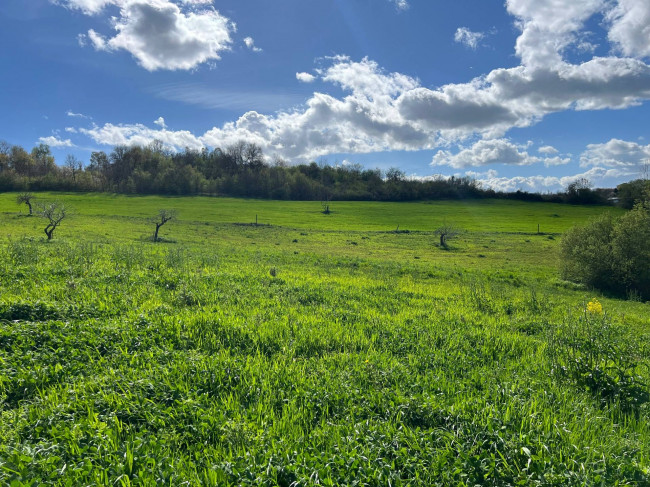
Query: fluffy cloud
<point x="366" y="79"/>
<point x="160" y="121"/>
<point x="54" y="141"/>
<point x="250" y="43"/>
<point x="543" y="184"/>
<point x="139" y="134"/>
<point x="627" y="156"/>
<point x="547" y="149"/>
<point x="630" y="27"/>
<point x="305" y="77"/>
<point x="97" y="40"/>
<point x="393" y="111"/>
<point x="401" y="4"/>
<point x="162" y="34"/>
<point x="493" y="151"/>
<point x="468" y="38"/>
<point x="548" y="27"/>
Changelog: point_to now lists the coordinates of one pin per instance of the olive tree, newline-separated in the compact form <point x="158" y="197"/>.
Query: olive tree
<point x="27" y="199"/>
<point x="446" y="232"/>
<point x="54" y="213"/>
<point x="163" y="217"/>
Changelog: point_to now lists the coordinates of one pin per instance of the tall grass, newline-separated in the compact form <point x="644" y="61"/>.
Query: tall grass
<point x="388" y="362"/>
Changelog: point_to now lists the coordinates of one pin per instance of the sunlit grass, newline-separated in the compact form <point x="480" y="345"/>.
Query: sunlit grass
<point x="319" y="350"/>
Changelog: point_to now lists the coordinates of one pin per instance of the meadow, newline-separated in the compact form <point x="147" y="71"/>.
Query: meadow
<point x="312" y="349"/>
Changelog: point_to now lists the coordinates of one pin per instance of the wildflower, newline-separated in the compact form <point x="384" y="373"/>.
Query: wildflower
<point x="594" y="307"/>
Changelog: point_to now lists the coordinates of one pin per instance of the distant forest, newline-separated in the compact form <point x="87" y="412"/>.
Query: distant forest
<point x="240" y="170"/>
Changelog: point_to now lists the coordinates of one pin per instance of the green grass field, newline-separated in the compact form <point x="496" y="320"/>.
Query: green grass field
<point x="312" y="349"/>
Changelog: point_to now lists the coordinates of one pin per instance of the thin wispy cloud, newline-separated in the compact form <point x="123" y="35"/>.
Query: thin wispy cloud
<point x="208" y="97"/>
<point x="72" y="114"/>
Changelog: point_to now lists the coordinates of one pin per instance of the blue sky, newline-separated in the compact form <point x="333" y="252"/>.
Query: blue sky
<point x="521" y="94"/>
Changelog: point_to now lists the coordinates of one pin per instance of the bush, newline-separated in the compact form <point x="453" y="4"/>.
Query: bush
<point x="632" y="192"/>
<point x="612" y="255"/>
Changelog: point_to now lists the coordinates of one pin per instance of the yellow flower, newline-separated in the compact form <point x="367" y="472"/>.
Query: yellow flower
<point x="595" y="307"/>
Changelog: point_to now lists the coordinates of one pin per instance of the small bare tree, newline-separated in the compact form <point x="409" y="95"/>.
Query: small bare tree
<point x="26" y="198"/>
<point x="54" y="213"/>
<point x="163" y="217"/>
<point x="446" y="232"/>
<point x="325" y="204"/>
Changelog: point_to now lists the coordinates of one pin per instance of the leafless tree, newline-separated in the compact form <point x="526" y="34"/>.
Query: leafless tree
<point x="325" y="204"/>
<point x="74" y="165"/>
<point x="27" y="199"/>
<point x="446" y="232"/>
<point x="54" y="213"/>
<point x="163" y="217"/>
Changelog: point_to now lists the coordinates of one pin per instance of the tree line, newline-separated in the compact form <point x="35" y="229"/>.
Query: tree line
<point x="241" y="170"/>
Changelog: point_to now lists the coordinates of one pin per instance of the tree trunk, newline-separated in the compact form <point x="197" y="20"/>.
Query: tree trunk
<point x="49" y="230"/>
<point x="442" y="240"/>
<point x="155" y="234"/>
<point x="30" y="208"/>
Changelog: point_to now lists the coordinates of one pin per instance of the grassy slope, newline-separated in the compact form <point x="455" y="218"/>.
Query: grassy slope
<point x="368" y="356"/>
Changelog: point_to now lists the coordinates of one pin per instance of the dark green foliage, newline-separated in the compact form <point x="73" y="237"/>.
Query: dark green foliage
<point x="633" y="192"/>
<point x="27" y="199"/>
<point x="609" y="254"/>
<point x="579" y="192"/>
<point x="240" y="170"/>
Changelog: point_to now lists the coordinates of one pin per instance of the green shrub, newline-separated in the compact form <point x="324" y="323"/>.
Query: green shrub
<point x="612" y="255"/>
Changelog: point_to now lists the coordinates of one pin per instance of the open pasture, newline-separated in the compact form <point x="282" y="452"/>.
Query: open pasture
<point x="312" y="349"/>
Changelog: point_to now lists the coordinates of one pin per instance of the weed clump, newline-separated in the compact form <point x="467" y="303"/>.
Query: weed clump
<point x="600" y="358"/>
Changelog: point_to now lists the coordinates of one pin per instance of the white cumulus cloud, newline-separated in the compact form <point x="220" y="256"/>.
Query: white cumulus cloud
<point x="250" y="43"/>
<point x="160" y="121"/>
<point x="468" y="38"/>
<point x="630" y="27"/>
<point x="485" y="152"/>
<point x="139" y="134"/>
<point x="54" y="141"/>
<point x="616" y="153"/>
<point x="493" y="151"/>
<point x="542" y="184"/>
<point x="305" y="77"/>
<point x="382" y="111"/>
<point x="161" y="34"/>
<point x="547" y="149"/>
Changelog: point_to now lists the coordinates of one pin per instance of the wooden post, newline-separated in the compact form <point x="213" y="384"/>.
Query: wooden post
<point x="538" y="228"/>
<point x="255" y="220"/>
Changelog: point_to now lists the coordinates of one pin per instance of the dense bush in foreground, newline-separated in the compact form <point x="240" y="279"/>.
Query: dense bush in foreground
<point x="612" y="255"/>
